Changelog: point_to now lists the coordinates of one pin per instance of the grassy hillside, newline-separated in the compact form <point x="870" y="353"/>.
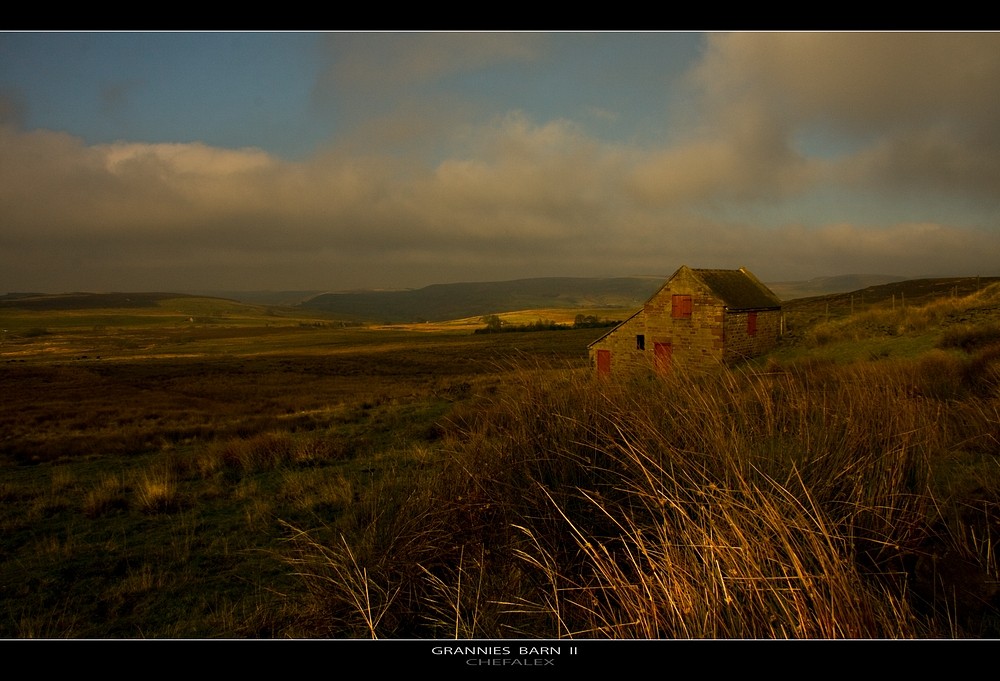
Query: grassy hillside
<point x="254" y="474"/>
<point x="897" y="318"/>
<point x="899" y="293"/>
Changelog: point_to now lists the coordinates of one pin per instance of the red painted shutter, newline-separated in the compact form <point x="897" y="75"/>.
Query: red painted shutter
<point x="604" y="361"/>
<point x="680" y="306"/>
<point x="662" y="353"/>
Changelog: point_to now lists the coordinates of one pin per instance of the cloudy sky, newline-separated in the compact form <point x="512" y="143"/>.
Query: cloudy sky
<point x="226" y="161"/>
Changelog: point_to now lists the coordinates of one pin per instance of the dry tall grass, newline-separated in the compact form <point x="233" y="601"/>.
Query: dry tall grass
<point x="793" y="502"/>
<point x="901" y="319"/>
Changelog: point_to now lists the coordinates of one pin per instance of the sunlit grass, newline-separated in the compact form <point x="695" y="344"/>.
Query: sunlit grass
<point x="156" y="491"/>
<point x="785" y="503"/>
<point x="213" y="479"/>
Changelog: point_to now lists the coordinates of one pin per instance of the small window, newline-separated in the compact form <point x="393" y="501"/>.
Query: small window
<point x="681" y="307"/>
<point x="752" y="324"/>
<point x="640" y="342"/>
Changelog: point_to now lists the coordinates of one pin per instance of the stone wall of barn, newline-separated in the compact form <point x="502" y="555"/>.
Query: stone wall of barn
<point x="748" y="334"/>
<point x="623" y="344"/>
<point x="693" y="329"/>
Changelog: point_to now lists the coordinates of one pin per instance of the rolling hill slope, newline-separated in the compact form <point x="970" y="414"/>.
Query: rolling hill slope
<point x="441" y="302"/>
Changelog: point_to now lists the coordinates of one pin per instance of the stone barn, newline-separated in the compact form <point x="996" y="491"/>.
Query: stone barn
<point x="698" y="318"/>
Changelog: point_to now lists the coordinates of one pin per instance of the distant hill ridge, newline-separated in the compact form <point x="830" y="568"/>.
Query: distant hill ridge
<point x="821" y="286"/>
<point x="442" y="302"/>
<point x="445" y="302"/>
<point x="916" y="291"/>
<point x="84" y="301"/>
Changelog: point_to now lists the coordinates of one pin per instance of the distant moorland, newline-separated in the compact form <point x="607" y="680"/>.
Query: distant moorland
<point x="189" y="466"/>
<point x="461" y="300"/>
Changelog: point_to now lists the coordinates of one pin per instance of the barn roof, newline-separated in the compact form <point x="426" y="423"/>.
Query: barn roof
<point x="738" y="289"/>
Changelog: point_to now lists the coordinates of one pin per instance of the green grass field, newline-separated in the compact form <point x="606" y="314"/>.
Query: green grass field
<point x="200" y="468"/>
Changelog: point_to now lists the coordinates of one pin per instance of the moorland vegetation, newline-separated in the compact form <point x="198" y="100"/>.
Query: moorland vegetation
<point x="201" y="469"/>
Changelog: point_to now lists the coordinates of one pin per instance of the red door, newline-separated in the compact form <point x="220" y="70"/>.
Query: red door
<point x="661" y="356"/>
<point x="604" y="361"/>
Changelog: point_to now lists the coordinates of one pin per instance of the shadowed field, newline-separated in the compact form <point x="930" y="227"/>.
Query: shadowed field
<point x="147" y="462"/>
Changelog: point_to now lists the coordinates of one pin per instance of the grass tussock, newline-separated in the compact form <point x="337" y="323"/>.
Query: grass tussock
<point x="259" y="452"/>
<point x="106" y="497"/>
<point x="316" y="490"/>
<point x="156" y="491"/>
<point x="969" y="337"/>
<point x="778" y="503"/>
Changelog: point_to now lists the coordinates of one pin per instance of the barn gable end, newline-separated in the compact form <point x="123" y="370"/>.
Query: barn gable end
<point x="698" y="318"/>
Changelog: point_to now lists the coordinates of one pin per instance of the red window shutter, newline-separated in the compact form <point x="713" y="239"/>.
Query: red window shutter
<point x="680" y="306"/>
<point x="604" y="361"/>
<point x="752" y="324"/>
